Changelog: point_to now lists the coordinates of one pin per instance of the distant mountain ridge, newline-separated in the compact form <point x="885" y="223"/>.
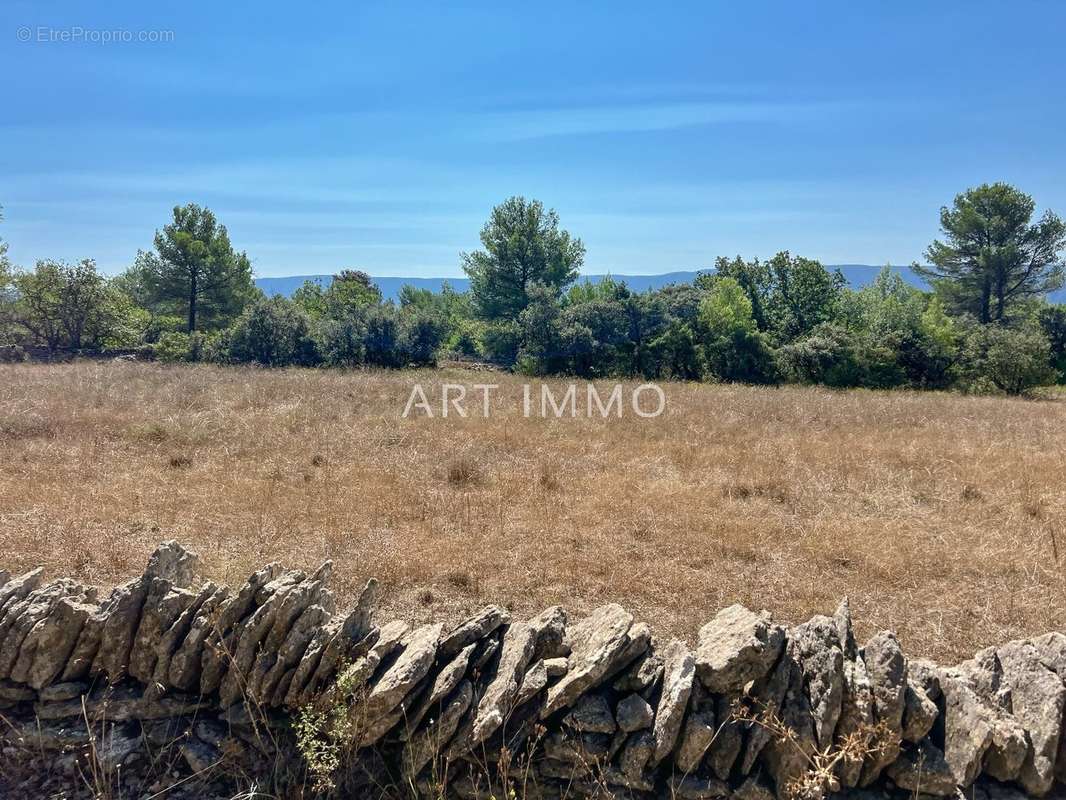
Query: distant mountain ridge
<point x="856" y="275"/>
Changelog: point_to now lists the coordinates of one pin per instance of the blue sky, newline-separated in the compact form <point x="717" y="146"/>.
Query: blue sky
<point x="378" y="136"/>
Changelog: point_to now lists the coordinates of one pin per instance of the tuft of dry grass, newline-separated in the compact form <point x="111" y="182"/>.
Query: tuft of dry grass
<point x="941" y="516"/>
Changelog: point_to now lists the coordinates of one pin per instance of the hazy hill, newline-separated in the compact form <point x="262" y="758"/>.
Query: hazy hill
<point x="857" y="275"/>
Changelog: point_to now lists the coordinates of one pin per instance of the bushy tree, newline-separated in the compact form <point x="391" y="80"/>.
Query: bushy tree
<point x="66" y="305"/>
<point x="902" y="333"/>
<point x="1010" y="360"/>
<point x="1052" y="319"/>
<point x="674" y="353"/>
<point x="341" y="342"/>
<point x="734" y="349"/>
<point x="275" y="333"/>
<point x="992" y="256"/>
<point x="381" y="342"/>
<point x="500" y="341"/>
<point x="451" y="311"/>
<point x="195" y="270"/>
<point x="523" y="244"/>
<point x="540" y="345"/>
<point x="827" y="355"/>
<point x="789" y="295"/>
<point x="421" y="337"/>
<point x="349" y="290"/>
<point x="595" y="337"/>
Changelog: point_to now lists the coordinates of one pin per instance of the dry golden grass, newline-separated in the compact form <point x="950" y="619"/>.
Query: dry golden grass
<point x="941" y="516"/>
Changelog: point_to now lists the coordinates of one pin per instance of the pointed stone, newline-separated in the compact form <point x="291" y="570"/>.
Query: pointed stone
<point x="56" y="637"/>
<point x="856" y="718"/>
<point x="1038" y="703"/>
<point x="815" y="645"/>
<point x="887" y="670"/>
<point x="497" y="701"/>
<point x="172" y="562"/>
<point x="679" y="670"/>
<point x="183" y="671"/>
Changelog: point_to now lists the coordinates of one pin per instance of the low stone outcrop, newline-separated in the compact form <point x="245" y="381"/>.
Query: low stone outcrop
<point x="547" y="707"/>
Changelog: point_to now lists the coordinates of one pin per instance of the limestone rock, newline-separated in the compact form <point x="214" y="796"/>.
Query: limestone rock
<point x="736" y="647"/>
<point x="54" y="639"/>
<point x="352" y="640"/>
<point x="172" y="562"/>
<point x="752" y="789"/>
<point x="887" y="668"/>
<point x="856" y="717"/>
<point x="419" y="649"/>
<point x="444" y="683"/>
<point x="183" y="669"/>
<point x="815" y="646"/>
<point x="728" y="741"/>
<point x="768" y="694"/>
<point x="289" y="655"/>
<point x="474" y="629"/>
<point x="787" y="760"/>
<point x="643" y="676"/>
<point x="696" y="737"/>
<point x="599" y="647"/>
<point x="637" y="752"/>
<point x="164" y="603"/>
<point x="200" y="756"/>
<point x="576" y="748"/>
<point x="497" y="701"/>
<point x="923" y="769"/>
<point x="121" y="616"/>
<point x="550" y="627"/>
<point x="919" y="713"/>
<point x="62" y="691"/>
<point x="692" y="787"/>
<point x="1038" y="702"/>
<point x="15" y="589"/>
<point x="351" y="681"/>
<point x="976" y="735"/>
<point x="634" y="714"/>
<point x="533" y="683"/>
<point x="679" y="671"/>
<point x="431" y="739"/>
<point x="591" y="714"/>
<point x="252" y="635"/>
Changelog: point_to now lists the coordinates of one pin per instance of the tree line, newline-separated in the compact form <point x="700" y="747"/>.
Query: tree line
<point x="985" y="324"/>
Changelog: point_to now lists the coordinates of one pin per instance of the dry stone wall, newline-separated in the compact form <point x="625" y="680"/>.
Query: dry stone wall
<point x="268" y="672"/>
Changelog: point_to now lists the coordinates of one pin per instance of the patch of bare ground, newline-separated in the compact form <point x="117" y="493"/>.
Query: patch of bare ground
<point x="941" y="516"/>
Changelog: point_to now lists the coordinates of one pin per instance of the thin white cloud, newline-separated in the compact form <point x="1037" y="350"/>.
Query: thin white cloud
<point x="518" y="125"/>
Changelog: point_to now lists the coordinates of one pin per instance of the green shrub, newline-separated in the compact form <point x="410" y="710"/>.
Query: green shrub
<point x="341" y="341"/>
<point x="1009" y="360"/>
<point x="500" y="342"/>
<point x="826" y="355"/>
<point x="422" y="335"/>
<point x="173" y="347"/>
<point x="275" y="333"/>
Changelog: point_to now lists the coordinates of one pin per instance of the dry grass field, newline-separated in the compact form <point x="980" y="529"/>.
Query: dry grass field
<point x="940" y="516"/>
